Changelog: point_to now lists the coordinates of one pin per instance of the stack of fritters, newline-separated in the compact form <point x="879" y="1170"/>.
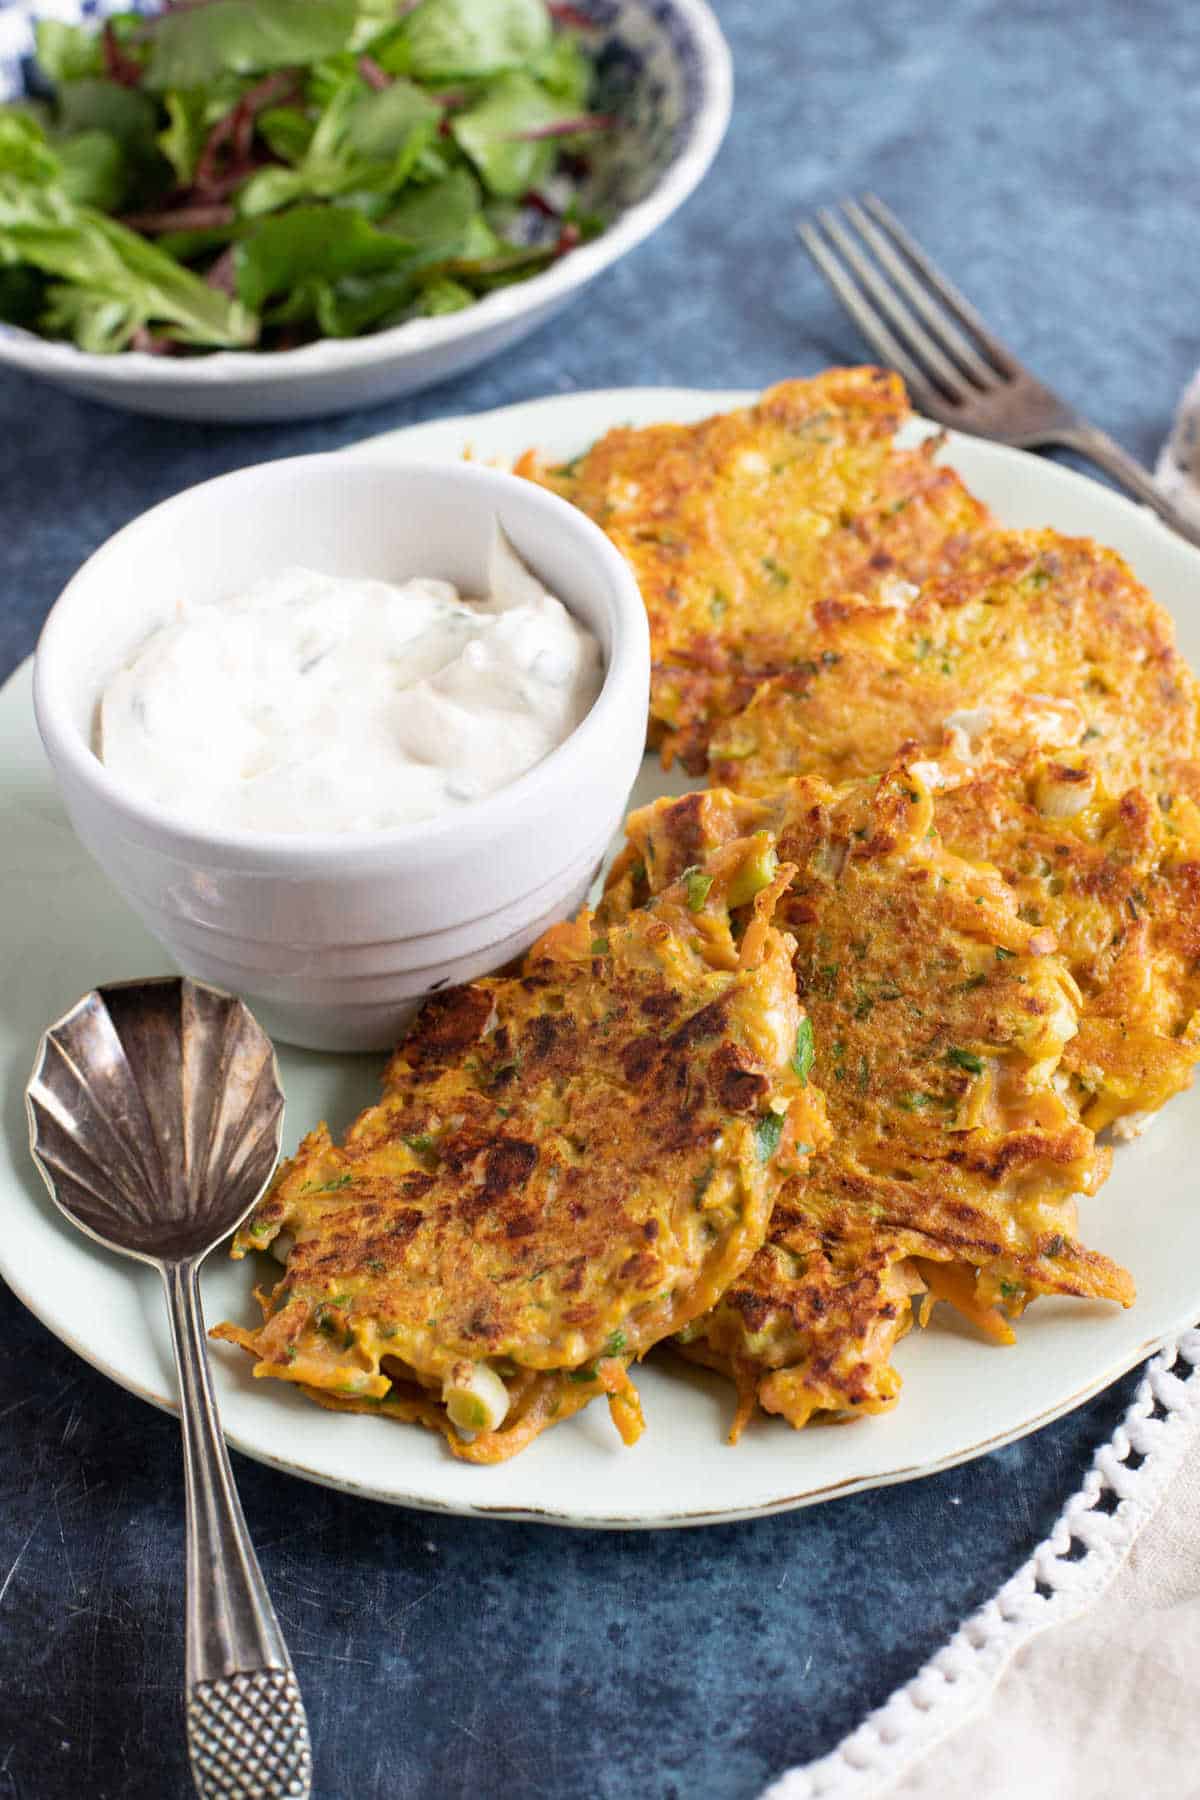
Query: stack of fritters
<point x="979" y="752"/>
<point x="1033" y="690"/>
<point x="939" y="1019"/>
<point x="567" y="1166"/>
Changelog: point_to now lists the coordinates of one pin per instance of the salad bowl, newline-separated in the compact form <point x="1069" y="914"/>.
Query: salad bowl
<point x="673" y="73"/>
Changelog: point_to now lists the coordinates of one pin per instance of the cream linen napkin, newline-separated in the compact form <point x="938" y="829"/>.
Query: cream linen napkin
<point x="1107" y="1705"/>
<point x="1081" y="1678"/>
<point x="1177" y="470"/>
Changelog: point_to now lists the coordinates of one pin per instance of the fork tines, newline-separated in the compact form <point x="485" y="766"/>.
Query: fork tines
<point x="914" y="318"/>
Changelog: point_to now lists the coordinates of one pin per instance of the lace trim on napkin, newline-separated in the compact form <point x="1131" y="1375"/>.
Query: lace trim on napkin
<point x="1065" y="1575"/>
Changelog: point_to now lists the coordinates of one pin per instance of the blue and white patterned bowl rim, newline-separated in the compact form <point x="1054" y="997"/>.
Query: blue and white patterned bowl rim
<point x="702" y="89"/>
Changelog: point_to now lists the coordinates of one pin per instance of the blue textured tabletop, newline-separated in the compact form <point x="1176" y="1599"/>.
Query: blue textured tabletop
<point x="1042" y="154"/>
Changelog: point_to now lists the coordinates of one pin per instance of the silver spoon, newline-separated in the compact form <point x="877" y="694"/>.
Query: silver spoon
<point x="155" y="1117"/>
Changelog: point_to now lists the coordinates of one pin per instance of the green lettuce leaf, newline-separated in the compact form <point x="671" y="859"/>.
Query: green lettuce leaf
<point x="372" y="302"/>
<point x="441" y="295"/>
<point x="99" y="323"/>
<point x="182" y="138"/>
<point x="191" y="115"/>
<point x="125" y="113"/>
<point x="365" y="142"/>
<point x="287" y="131"/>
<point x="364" y="302"/>
<point x="381" y="124"/>
<point x="487" y="132"/>
<point x="468" y="40"/>
<point x="565" y="70"/>
<point x="94" y="170"/>
<point x="67" y="52"/>
<point x="444" y="220"/>
<point x="125" y="281"/>
<point x="272" y="189"/>
<point x="374" y="18"/>
<point x="326" y="79"/>
<point x="312" y="242"/>
<point x="106" y="143"/>
<point x="195" y="45"/>
<point x="24" y="152"/>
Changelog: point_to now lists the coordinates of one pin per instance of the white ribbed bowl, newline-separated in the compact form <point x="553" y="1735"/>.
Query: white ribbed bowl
<point x="334" y="938"/>
<point x="677" y="82"/>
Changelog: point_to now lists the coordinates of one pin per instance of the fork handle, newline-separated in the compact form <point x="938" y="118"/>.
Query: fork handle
<point x="246" y="1726"/>
<point x="1100" y="449"/>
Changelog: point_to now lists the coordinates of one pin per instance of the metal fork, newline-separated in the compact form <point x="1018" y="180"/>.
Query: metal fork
<point x="957" y="371"/>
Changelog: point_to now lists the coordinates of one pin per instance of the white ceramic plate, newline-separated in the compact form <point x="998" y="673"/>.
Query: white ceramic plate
<point x="64" y="931"/>
<point x="674" y="73"/>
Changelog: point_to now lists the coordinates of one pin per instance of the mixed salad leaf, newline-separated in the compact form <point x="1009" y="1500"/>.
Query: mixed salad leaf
<point x="234" y="174"/>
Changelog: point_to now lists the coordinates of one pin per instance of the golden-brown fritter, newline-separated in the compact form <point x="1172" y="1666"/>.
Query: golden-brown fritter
<point x="1080" y="789"/>
<point x="737" y="526"/>
<point x="567" y="1165"/>
<point x="1116" y="876"/>
<point x="809" y="1327"/>
<point x="939" y="1019"/>
<point x="1027" y="614"/>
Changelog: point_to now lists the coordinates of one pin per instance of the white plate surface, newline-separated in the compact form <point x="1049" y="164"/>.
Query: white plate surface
<point x="64" y="931"/>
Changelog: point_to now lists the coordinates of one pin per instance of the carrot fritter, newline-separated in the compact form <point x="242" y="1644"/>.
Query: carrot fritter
<point x="1060" y="724"/>
<point x="1025" y="615"/>
<point x="809" y="1328"/>
<point x="567" y="1165"/>
<point x="939" y="1019"/>
<point x="738" y="526"/>
<point x="1116" y="876"/>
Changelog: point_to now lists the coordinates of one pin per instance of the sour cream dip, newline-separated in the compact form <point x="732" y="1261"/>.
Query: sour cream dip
<point x="321" y="703"/>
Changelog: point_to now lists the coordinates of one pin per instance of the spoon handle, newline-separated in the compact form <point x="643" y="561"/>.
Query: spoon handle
<point x="247" y="1731"/>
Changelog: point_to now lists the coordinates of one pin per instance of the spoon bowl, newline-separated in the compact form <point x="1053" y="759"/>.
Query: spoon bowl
<point x="155" y="1118"/>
